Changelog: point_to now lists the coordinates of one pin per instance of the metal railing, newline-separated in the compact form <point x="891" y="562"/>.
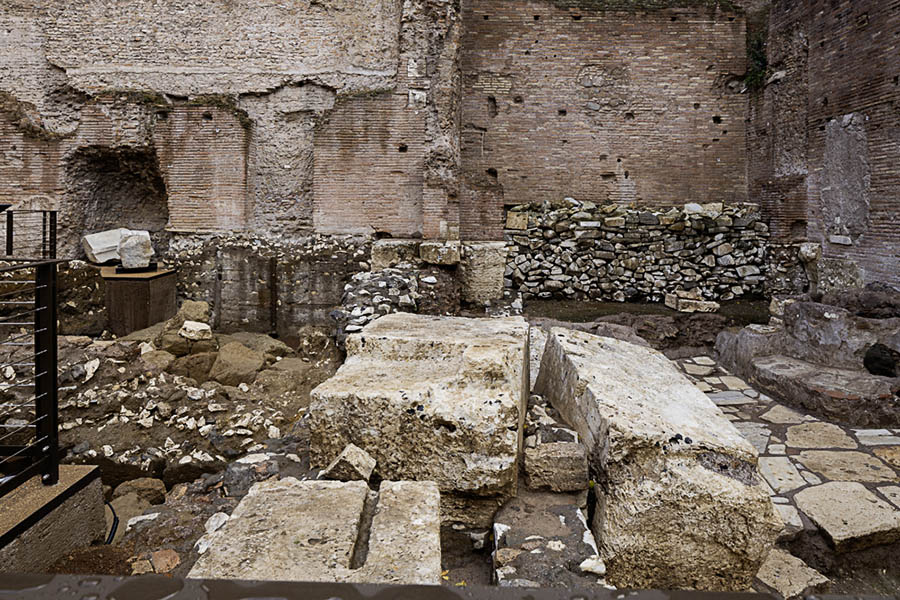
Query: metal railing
<point x="28" y="233"/>
<point x="28" y="377"/>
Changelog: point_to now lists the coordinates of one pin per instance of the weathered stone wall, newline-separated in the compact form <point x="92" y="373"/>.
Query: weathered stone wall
<point x="823" y="143"/>
<point x="237" y="106"/>
<point x="611" y="252"/>
<point x="588" y="100"/>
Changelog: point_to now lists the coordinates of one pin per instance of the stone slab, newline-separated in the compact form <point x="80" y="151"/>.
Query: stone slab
<point x="847" y="396"/>
<point x="818" y="435"/>
<point x="846" y="466"/>
<point x="851" y="516"/>
<point x="405" y="539"/>
<point x="782" y="415"/>
<point x="789" y="576"/>
<point x="780" y="473"/>
<point x="793" y="524"/>
<point x="668" y="461"/>
<point x="290" y="530"/>
<point x="755" y="433"/>
<point x="890" y="455"/>
<point x="730" y="398"/>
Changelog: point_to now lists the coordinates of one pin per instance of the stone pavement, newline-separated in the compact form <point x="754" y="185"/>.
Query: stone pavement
<point x="843" y="481"/>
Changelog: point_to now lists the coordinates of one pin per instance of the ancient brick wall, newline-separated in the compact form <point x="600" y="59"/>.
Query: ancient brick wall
<point x="601" y="105"/>
<point x="202" y="153"/>
<point x="825" y="135"/>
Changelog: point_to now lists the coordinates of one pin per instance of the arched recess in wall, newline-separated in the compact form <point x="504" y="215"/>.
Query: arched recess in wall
<point x="109" y="187"/>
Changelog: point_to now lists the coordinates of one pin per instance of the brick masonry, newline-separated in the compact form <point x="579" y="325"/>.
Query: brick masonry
<point x="600" y="105"/>
<point x="824" y="139"/>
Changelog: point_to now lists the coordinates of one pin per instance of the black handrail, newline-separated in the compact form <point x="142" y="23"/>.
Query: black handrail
<point x="29" y="413"/>
<point x="29" y="234"/>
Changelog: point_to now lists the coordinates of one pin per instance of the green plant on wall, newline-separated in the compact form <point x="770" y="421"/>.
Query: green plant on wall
<point x="757" y="62"/>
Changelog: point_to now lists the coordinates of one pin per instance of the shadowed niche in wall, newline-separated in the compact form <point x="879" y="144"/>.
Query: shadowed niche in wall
<point x="114" y="187"/>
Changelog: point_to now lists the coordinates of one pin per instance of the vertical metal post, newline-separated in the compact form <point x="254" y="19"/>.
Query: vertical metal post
<point x="45" y="370"/>
<point x="9" y="232"/>
<point x="44" y="248"/>
<point x="53" y="234"/>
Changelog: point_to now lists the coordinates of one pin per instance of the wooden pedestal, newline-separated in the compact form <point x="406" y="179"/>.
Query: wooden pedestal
<point x="138" y="300"/>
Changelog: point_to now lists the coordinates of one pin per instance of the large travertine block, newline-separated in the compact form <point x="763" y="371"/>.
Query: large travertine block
<point x="431" y="399"/>
<point x="680" y="502"/>
<point x="292" y="530"/>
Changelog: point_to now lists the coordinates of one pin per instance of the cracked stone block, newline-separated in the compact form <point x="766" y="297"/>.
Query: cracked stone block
<point x="543" y="540"/>
<point x="654" y="441"/>
<point x="135" y="249"/>
<point x="352" y="464"/>
<point x="329" y="531"/>
<point x="103" y="247"/>
<point x="557" y="466"/>
<point x="440" y="253"/>
<point x="432" y="399"/>
<point x="851" y="516"/>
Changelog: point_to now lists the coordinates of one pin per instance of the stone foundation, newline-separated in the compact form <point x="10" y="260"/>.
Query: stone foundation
<point x="617" y="253"/>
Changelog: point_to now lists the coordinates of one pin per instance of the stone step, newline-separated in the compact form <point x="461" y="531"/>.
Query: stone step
<point x="846" y="396"/>
<point x="667" y="462"/>
<point x="329" y="531"/>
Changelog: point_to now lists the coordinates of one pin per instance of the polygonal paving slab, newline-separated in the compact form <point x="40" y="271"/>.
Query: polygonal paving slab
<point x="851" y="516"/>
<point x="818" y="435"/>
<point x="846" y="466"/>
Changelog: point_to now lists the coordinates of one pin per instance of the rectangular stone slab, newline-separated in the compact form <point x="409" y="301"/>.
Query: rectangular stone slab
<point x="292" y="530"/>
<point x="405" y="539"/>
<point x="431" y="399"/>
<point x="674" y="475"/>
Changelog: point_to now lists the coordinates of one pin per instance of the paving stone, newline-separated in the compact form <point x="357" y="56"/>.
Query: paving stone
<point x="889" y="454"/>
<point x="704" y="387"/>
<point x="697" y="370"/>
<point x="755" y="433"/>
<point x="730" y="398"/>
<point x="734" y="383"/>
<point x="792" y="522"/>
<point x="780" y="473"/>
<point x="846" y="466"/>
<point x="851" y="516"/>
<point x="818" y="435"/>
<point x="750" y="392"/>
<point x="780" y="500"/>
<point x="777" y="449"/>
<point x="704" y="360"/>
<point x="783" y="415"/>
<point x="789" y="576"/>
<point x="876" y="437"/>
<point x="810" y="478"/>
<point x="892" y="493"/>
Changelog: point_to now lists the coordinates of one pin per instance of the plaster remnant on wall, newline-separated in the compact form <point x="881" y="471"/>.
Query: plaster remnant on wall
<point x="847" y="177"/>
